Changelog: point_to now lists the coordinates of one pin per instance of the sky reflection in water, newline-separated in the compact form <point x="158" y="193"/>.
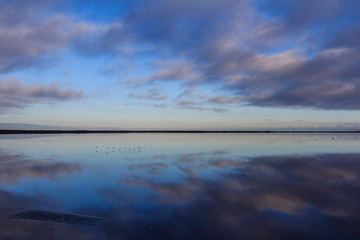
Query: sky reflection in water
<point x="183" y="186"/>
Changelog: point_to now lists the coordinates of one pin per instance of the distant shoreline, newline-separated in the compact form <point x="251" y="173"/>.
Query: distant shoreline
<point x="6" y="131"/>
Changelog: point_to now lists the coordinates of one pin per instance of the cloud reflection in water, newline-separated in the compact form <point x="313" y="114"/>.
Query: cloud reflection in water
<point x="217" y="196"/>
<point x="14" y="167"/>
<point x="275" y="197"/>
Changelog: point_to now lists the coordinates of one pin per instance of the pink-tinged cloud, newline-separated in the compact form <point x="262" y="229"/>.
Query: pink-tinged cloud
<point x="14" y="94"/>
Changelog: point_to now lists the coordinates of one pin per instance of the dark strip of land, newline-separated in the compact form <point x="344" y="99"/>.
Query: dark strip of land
<point x="5" y="131"/>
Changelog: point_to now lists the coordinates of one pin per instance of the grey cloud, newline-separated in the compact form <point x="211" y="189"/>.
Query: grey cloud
<point x="19" y="12"/>
<point x="172" y="28"/>
<point x="184" y="23"/>
<point x="297" y="14"/>
<point x="110" y="39"/>
<point x="28" y="39"/>
<point x="219" y="47"/>
<point x="13" y="94"/>
<point x="327" y="81"/>
<point x="349" y="38"/>
<point x="294" y="22"/>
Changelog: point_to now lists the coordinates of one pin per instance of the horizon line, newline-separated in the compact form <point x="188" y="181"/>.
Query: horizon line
<point x="84" y="131"/>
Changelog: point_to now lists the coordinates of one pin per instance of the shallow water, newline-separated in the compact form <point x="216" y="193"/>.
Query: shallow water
<point x="182" y="186"/>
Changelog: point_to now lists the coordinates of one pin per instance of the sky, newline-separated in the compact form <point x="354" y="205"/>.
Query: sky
<point x="181" y="64"/>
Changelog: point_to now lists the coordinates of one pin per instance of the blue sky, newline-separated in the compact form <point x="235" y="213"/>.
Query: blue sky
<point x="181" y="64"/>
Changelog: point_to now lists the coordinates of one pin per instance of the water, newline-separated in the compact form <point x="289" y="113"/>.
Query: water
<point x="182" y="186"/>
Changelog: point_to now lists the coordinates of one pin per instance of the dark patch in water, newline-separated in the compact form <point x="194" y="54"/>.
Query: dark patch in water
<point x="58" y="217"/>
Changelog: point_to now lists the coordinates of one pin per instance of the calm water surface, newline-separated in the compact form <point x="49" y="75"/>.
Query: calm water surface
<point x="183" y="186"/>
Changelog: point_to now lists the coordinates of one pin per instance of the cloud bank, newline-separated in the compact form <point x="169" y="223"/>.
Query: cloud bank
<point x="292" y="54"/>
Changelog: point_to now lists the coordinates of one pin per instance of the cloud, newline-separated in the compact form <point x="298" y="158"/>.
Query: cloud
<point x="273" y="55"/>
<point x="33" y="34"/>
<point x="260" y="53"/>
<point x="302" y="15"/>
<point x="188" y="104"/>
<point x="108" y="39"/>
<point x="347" y="39"/>
<point x="168" y="71"/>
<point x="153" y="94"/>
<point x="327" y="81"/>
<point x="223" y="99"/>
<point x="13" y="94"/>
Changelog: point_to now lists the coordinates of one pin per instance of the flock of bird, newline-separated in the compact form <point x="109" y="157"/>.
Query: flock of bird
<point x="125" y="149"/>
